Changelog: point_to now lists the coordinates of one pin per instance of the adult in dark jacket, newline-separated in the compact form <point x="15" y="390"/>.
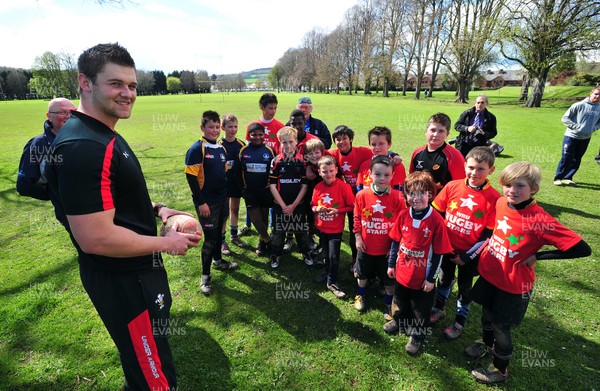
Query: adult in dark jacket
<point x="314" y="125"/>
<point x="476" y="127"/>
<point x="30" y="180"/>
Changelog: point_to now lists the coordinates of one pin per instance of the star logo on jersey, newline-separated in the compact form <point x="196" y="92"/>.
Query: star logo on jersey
<point x="512" y="254"/>
<point x="266" y="131"/>
<point x="160" y="301"/>
<point x="378" y="207"/>
<point x="327" y="199"/>
<point x="503" y="225"/>
<point x="453" y="205"/>
<point x="426" y="232"/>
<point x="126" y="154"/>
<point x="389" y="215"/>
<point x="367" y="213"/>
<point x="420" y="164"/>
<point x="514" y="240"/>
<point x="346" y="167"/>
<point x="468" y="202"/>
<point x="479" y="214"/>
<point x="367" y="179"/>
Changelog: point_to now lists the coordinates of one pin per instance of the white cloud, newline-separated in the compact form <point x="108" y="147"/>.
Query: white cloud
<point x="226" y="36"/>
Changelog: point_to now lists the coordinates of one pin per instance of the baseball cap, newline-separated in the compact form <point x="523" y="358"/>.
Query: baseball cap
<point x="305" y="99"/>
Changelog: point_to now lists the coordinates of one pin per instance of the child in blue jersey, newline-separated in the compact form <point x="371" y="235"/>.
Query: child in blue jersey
<point x="232" y="145"/>
<point x="288" y="186"/>
<point x="207" y="158"/>
<point x="254" y="167"/>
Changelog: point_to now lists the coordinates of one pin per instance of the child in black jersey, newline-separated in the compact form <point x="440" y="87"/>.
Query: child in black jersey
<point x="288" y="186"/>
<point x="207" y="159"/>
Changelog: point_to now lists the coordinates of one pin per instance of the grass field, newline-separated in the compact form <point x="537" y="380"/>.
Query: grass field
<point x="264" y="329"/>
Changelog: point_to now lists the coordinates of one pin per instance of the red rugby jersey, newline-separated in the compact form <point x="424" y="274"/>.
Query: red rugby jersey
<point x="468" y="212"/>
<point x="374" y="216"/>
<point x="364" y="175"/>
<point x="518" y="234"/>
<point x="338" y="195"/>
<point x="419" y="240"/>
<point x="351" y="162"/>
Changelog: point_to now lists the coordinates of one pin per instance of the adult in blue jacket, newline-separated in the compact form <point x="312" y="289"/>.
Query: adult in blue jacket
<point x="31" y="181"/>
<point x="582" y="119"/>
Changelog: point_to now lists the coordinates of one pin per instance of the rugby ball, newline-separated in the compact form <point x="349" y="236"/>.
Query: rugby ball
<point x="186" y="224"/>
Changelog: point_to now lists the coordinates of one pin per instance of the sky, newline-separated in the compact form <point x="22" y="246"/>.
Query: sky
<point x="218" y="36"/>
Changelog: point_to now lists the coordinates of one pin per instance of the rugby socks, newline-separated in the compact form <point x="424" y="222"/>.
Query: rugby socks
<point x="361" y="290"/>
<point x="233" y="229"/>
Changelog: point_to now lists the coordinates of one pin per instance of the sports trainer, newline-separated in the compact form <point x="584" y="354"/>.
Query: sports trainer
<point x="30" y="181"/>
<point x="100" y="194"/>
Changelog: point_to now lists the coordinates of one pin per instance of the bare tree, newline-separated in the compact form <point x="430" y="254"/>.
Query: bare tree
<point x="538" y="33"/>
<point x="145" y="82"/>
<point x="390" y="39"/>
<point x="473" y="28"/>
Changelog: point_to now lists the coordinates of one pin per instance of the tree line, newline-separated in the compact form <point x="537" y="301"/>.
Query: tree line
<point x="55" y="74"/>
<point x="381" y="43"/>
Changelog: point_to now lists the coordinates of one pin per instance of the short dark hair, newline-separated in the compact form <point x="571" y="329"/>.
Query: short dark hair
<point x="266" y="99"/>
<point x="482" y="154"/>
<point x="440" y="118"/>
<point x="341" y="130"/>
<point x="210" y="115"/>
<point x="380" y="131"/>
<point x="92" y="60"/>
<point x="382" y="159"/>
<point x="296" y="113"/>
<point x="256" y="126"/>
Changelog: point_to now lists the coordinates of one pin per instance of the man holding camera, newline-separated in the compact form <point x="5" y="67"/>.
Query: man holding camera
<point x="476" y="127"/>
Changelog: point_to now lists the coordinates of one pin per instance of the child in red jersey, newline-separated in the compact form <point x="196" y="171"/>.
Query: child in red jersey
<point x="331" y="200"/>
<point x="468" y="206"/>
<point x="375" y="211"/>
<point x="419" y="241"/>
<point x="443" y="161"/>
<point x="268" y="107"/>
<point x="349" y="158"/>
<point x="380" y="140"/>
<point x="507" y="265"/>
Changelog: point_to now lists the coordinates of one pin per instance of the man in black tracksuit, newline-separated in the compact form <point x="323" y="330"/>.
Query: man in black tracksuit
<point x="100" y="195"/>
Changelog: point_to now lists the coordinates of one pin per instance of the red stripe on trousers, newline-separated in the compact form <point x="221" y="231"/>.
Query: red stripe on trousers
<point x="105" y="193"/>
<point x="146" y="351"/>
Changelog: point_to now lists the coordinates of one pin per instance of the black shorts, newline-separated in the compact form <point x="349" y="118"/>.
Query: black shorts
<point x="219" y="211"/>
<point x="507" y="308"/>
<point x="370" y="266"/>
<point x="262" y="200"/>
<point x="233" y="188"/>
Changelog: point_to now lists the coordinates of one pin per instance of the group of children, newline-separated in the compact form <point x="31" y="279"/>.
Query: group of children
<point x="445" y="215"/>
